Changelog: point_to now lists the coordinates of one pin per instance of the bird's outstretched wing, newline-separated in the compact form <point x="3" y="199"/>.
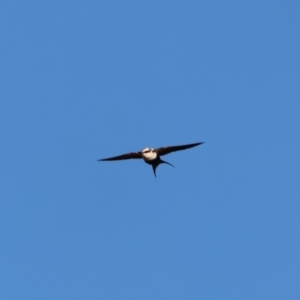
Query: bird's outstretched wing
<point x="167" y="150"/>
<point x="123" y="156"/>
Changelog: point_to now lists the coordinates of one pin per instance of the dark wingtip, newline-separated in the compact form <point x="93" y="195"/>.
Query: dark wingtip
<point x="198" y="144"/>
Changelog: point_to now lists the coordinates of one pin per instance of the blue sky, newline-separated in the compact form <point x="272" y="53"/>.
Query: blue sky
<point x="84" y="80"/>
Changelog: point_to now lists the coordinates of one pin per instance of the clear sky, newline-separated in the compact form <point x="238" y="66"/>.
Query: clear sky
<point x="83" y="80"/>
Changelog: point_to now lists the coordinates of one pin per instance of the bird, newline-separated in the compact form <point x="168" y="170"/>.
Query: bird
<point x="152" y="156"/>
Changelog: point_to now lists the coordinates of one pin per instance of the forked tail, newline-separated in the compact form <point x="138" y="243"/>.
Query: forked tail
<point x="154" y="166"/>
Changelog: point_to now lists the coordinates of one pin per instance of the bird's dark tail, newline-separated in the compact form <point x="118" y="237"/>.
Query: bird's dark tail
<point x="164" y="162"/>
<point x="154" y="166"/>
<point x="154" y="169"/>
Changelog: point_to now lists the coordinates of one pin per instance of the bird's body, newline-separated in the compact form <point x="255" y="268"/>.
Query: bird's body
<point x="148" y="154"/>
<point x="152" y="156"/>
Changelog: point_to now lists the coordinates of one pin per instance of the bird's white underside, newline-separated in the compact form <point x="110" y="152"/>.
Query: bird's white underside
<point x="147" y="156"/>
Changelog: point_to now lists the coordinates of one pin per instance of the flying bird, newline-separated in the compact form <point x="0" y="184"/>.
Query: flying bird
<point x="152" y="156"/>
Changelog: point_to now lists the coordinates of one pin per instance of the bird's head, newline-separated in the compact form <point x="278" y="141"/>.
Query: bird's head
<point x="147" y="150"/>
